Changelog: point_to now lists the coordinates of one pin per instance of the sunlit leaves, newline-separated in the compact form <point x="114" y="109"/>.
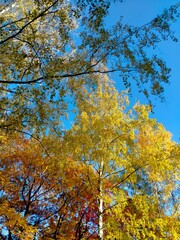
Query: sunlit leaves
<point x="53" y="187"/>
<point x="139" y="166"/>
<point x="52" y="181"/>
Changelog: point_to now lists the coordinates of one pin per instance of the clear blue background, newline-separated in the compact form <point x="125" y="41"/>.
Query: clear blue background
<point x="139" y="12"/>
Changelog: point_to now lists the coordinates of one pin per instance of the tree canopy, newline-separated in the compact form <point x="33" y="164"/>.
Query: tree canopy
<point x="49" y="48"/>
<point x="113" y="175"/>
<point x="112" y="172"/>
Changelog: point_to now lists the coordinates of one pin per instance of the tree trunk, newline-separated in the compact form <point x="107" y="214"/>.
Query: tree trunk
<point x="100" y="202"/>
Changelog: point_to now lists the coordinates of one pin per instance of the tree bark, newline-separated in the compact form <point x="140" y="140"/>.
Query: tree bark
<point x="100" y="202"/>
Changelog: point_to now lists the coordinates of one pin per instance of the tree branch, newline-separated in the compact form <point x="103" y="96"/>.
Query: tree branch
<point x="7" y="24"/>
<point x="137" y="169"/>
<point x="27" y="24"/>
<point x="66" y="76"/>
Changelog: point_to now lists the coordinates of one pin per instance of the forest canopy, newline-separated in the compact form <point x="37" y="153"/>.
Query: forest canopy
<point x="77" y="161"/>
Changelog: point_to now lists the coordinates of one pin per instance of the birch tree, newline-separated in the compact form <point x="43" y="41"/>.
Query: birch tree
<point x="135" y="162"/>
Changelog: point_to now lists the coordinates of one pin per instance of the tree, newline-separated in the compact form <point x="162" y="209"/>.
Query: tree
<point x="135" y="162"/>
<point x="49" y="49"/>
<point x="86" y="182"/>
<point x="102" y="179"/>
<point x="41" y="198"/>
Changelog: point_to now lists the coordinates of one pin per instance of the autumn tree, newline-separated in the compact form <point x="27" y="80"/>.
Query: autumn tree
<point x="89" y="181"/>
<point x="111" y="176"/>
<point x="135" y="161"/>
<point x="50" y="48"/>
<point x="41" y="198"/>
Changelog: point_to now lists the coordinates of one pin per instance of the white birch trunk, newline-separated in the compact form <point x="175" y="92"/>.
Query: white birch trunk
<point x="100" y="202"/>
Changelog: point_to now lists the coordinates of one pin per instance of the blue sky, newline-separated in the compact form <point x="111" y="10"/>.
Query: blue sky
<point x="139" y="12"/>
